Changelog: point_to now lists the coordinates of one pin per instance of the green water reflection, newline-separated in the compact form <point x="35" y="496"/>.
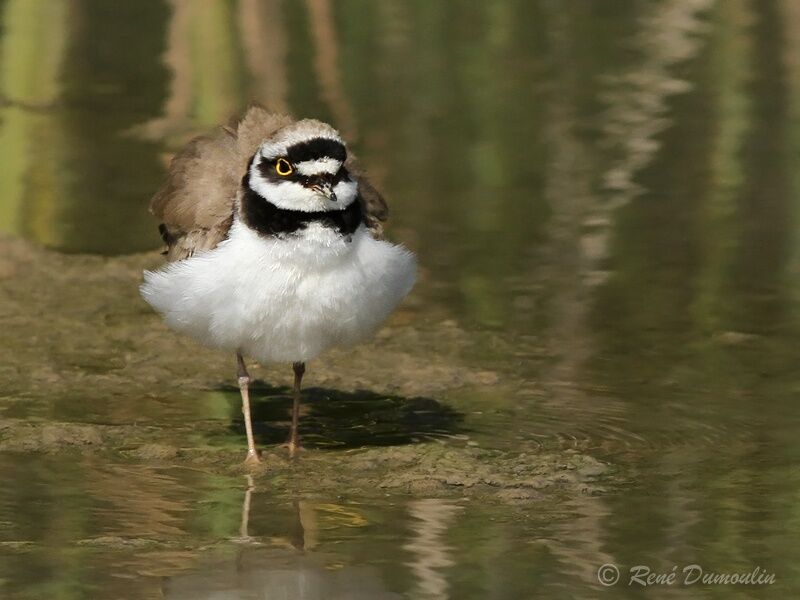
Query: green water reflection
<point x="603" y="194"/>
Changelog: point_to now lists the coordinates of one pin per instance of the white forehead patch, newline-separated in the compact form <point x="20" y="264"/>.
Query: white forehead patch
<point x="321" y="165"/>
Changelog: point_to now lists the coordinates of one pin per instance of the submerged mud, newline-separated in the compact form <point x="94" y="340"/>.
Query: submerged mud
<point x="87" y="368"/>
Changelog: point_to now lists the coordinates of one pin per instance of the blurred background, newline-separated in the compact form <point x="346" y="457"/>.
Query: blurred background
<point x="604" y="200"/>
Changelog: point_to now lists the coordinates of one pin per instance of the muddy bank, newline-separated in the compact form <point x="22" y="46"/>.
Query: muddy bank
<point x="87" y="368"/>
<point x="430" y="468"/>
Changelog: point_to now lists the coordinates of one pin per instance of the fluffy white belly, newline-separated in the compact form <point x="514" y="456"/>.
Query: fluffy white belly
<point x="283" y="300"/>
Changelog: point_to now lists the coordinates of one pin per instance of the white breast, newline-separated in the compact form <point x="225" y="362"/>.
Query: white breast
<point x="283" y="300"/>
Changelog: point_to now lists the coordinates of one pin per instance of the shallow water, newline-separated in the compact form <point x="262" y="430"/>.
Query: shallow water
<point x="603" y="198"/>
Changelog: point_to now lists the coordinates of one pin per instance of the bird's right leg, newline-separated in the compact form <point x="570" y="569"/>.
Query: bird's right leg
<point x="294" y="437"/>
<point x="244" y="389"/>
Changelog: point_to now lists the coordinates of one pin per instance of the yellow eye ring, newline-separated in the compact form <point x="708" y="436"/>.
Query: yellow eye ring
<point x="283" y="167"/>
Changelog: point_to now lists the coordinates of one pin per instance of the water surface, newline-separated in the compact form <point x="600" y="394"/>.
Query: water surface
<point x="603" y="197"/>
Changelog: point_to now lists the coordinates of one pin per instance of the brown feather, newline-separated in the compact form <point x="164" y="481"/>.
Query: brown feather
<point x="373" y="204"/>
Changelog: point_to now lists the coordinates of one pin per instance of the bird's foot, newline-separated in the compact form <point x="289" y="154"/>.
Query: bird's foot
<point x="252" y="459"/>
<point x="293" y="448"/>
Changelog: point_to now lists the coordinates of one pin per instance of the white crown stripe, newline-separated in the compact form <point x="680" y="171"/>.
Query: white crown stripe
<point x="315" y="167"/>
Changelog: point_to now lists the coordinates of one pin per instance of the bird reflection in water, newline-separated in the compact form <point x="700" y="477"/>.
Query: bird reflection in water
<point x="279" y="566"/>
<point x="302" y="534"/>
<point x="244" y="528"/>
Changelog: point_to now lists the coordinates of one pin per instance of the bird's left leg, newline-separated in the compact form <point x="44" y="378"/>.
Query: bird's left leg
<point x="244" y="388"/>
<point x="294" y="438"/>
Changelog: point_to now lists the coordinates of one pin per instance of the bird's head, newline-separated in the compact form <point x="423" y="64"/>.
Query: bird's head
<point x="301" y="167"/>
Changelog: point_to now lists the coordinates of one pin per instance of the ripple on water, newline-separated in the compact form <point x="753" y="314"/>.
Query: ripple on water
<point x="568" y="417"/>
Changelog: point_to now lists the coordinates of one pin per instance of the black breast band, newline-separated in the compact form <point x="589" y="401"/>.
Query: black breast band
<point x="268" y="219"/>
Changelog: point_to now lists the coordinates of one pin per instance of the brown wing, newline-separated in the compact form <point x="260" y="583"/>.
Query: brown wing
<point x="195" y="204"/>
<point x="373" y="204"/>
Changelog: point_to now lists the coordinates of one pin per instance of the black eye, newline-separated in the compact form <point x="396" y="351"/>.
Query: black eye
<point x="283" y="167"/>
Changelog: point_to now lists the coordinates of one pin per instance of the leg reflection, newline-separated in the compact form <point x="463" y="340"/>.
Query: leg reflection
<point x="432" y="518"/>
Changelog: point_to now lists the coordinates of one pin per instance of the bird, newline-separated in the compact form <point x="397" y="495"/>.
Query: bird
<point x="275" y="248"/>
